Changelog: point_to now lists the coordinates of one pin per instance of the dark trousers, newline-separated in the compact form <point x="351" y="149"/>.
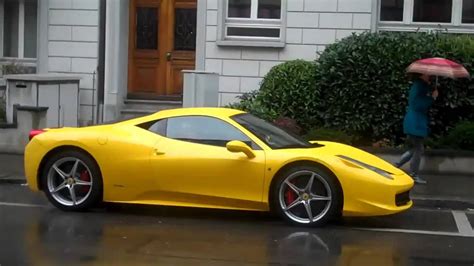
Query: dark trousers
<point x="414" y="154"/>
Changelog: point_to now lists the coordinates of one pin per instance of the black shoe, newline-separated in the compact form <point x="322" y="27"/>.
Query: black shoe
<point x="418" y="180"/>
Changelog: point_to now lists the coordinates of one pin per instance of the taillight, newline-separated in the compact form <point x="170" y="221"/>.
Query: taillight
<point x="35" y="132"/>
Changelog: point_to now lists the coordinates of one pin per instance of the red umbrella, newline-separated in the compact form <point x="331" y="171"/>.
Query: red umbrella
<point x="438" y="67"/>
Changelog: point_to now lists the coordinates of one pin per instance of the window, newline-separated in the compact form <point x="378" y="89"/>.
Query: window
<point x="198" y="129"/>
<point x="391" y="10"/>
<point x="253" y="20"/>
<point x="433" y="11"/>
<point x="428" y="12"/>
<point x="468" y="11"/>
<point x="19" y="34"/>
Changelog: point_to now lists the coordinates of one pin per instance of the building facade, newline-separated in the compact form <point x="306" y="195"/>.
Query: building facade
<point x="148" y="43"/>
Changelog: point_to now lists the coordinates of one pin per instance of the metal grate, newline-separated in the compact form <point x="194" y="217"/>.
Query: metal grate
<point x="402" y="198"/>
<point x="185" y="29"/>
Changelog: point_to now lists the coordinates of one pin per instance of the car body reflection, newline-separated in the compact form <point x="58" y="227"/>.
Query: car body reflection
<point x="58" y="238"/>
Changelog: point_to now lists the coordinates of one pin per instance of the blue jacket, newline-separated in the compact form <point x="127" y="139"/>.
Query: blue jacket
<point x="416" y="120"/>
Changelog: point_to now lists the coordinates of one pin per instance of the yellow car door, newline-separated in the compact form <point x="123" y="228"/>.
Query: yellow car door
<point x="193" y="167"/>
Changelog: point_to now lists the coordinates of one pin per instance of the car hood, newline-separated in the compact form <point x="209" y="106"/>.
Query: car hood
<point x="338" y="149"/>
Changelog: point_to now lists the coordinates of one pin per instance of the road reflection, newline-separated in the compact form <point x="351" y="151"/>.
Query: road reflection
<point x="123" y="238"/>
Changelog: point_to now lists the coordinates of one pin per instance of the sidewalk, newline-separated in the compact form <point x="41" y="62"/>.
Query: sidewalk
<point x="11" y="168"/>
<point x="445" y="191"/>
<point x="442" y="191"/>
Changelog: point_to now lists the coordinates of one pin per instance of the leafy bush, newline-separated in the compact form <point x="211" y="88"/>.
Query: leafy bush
<point x="460" y="137"/>
<point x="328" y="135"/>
<point x="250" y="103"/>
<point x="288" y="90"/>
<point x="456" y="100"/>
<point x="360" y="86"/>
<point x="366" y="87"/>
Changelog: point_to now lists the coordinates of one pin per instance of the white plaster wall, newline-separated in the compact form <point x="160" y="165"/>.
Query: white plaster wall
<point x="311" y="25"/>
<point x="73" y="46"/>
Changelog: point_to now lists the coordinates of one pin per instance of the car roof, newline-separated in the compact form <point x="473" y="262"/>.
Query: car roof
<point x="210" y="111"/>
<point x="203" y="111"/>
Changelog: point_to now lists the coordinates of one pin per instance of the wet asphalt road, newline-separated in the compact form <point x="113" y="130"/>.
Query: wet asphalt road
<point x="32" y="232"/>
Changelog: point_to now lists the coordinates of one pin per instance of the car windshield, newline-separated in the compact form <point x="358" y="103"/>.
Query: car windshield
<point x="273" y="136"/>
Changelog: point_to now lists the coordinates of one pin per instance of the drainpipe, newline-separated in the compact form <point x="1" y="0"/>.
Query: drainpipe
<point x="101" y="63"/>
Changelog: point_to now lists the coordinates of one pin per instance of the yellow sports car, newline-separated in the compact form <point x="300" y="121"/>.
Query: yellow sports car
<point x="212" y="158"/>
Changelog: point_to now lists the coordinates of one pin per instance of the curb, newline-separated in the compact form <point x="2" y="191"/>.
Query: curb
<point x="12" y="181"/>
<point x="443" y="203"/>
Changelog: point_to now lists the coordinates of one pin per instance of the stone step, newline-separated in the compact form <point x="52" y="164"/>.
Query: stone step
<point x="151" y="105"/>
<point x="135" y="108"/>
<point x="133" y="113"/>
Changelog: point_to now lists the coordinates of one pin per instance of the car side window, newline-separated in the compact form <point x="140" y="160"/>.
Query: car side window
<point x="157" y="126"/>
<point x="204" y="130"/>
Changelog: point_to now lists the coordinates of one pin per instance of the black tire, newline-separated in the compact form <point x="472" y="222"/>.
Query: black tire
<point x="324" y="180"/>
<point x="94" y="192"/>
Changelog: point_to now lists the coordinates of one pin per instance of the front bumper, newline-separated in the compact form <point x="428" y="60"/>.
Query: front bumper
<point x="368" y="194"/>
<point x="378" y="200"/>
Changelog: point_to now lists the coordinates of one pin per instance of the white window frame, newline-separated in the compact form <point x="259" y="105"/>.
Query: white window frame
<point x="26" y="61"/>
<point x="253" y="22"/>
<point x="407" y="24"/>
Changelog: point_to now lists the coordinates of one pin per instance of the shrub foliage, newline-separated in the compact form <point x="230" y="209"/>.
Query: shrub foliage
<point x="461" y="136"/>
<point x="359" y="85"/>
<point x="328" y="135"/>
<point x="366" y="86"/>
<point x="288" y="90"/>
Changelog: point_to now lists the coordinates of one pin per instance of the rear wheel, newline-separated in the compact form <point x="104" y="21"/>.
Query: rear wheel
<point x="72" y="181"/>
<point x="307" y="195"/>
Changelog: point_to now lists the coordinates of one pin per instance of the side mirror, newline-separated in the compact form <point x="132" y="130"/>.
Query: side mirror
<point x="239" y="146"/>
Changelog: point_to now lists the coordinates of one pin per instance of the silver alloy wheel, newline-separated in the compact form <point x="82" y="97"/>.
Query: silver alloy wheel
<point x="305" y="196"/>
<point x="64" y="186"/>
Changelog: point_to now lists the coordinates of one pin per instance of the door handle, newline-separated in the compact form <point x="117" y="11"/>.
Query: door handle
<point x="158" y="152"/>
<point x="168" y="56"/>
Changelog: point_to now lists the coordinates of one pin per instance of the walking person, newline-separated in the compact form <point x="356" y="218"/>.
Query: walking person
<point x="416" y="123"/>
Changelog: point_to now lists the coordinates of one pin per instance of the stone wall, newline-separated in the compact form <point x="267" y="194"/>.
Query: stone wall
<point x="14" y="136"/>
<point x="310" y="26"/>
<point x="73" y="46"/>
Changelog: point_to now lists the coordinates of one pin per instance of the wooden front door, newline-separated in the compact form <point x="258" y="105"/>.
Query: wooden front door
<point x="162" y="43"/>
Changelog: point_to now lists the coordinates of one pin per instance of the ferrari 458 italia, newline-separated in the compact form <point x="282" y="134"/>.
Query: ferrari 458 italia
<point x="212" y="158"/>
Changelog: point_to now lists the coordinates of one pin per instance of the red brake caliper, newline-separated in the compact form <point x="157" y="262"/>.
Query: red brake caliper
<point x="86" y="178"/>
<point x="290" y="196"/>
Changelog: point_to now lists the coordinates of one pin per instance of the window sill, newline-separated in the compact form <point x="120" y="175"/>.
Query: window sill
<point x="30" y="62"/>
<point x="251" y="43"/>
<point x="415" y="27"/>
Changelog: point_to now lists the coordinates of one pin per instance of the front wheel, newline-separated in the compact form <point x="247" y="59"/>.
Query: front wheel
<point x="307" y="195"/>
<point x="72" y="181"/>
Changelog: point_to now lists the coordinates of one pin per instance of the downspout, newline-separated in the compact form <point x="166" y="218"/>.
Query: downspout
<point x="101" y="62"/>
<point x="375" y="16"/>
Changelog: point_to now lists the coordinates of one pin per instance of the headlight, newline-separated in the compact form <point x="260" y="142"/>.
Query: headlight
<point x="367" y="166"/>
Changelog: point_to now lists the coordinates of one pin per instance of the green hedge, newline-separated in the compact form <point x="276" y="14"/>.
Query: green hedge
<point x="366" y="86"/>
<point x="288" y="90"/>
<point x="459" y="137"/>
<point x="328" y="135"/>
<point x="359" y="86"/>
